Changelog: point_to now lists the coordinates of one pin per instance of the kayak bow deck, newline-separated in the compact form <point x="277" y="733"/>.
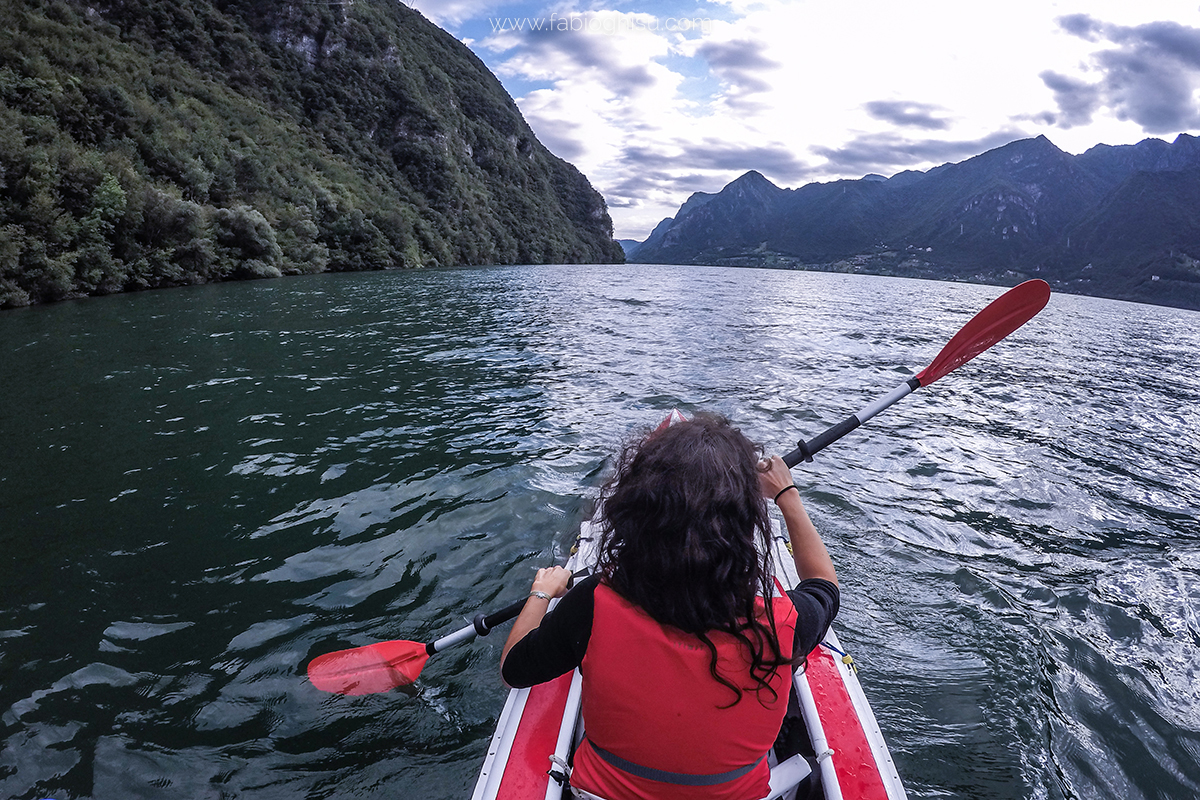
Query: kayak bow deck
<point x="540" y="726"/>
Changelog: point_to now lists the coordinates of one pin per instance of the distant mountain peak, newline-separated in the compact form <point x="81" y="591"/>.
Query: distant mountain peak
<point x="1113" y="222"/>
<point x="752" y="187"/>
<point x="753" y="178"/>
<point x="1037" y="144"/>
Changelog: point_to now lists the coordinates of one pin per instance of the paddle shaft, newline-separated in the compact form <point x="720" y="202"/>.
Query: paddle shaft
<point x="482" y="625"/>
<point x="806" y="450"/>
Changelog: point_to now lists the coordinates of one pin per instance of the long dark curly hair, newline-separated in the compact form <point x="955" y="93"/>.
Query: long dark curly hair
<point x="685" y="535"/>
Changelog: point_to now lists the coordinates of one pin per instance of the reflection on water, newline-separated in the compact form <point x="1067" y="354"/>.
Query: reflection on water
<point x="202" y="489"/>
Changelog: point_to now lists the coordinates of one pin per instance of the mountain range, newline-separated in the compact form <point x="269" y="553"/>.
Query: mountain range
<point x="148" y="143"/>
<point x="1116" y="221"/>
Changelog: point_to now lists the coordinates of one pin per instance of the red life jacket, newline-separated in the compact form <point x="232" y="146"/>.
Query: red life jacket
<point x="650" y="699"/>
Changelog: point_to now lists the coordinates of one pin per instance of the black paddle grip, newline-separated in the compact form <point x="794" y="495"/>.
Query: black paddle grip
<point x="484" y="624"/>
<point x="806" y="450"/>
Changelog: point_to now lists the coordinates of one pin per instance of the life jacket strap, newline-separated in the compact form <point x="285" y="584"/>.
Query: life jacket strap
<point x="675" y="778"/>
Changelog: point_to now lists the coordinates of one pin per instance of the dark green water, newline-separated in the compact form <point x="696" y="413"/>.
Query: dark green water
<point x="202" y="489"/>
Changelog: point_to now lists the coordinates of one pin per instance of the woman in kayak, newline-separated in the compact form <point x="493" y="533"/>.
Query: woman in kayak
<point x="686" y="669"/>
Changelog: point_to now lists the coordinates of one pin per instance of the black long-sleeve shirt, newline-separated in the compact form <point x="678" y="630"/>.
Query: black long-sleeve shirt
<point x="558" y="644"/>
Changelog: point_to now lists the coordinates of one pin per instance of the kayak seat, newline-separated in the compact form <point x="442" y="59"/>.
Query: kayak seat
<point x="785" y="777"/>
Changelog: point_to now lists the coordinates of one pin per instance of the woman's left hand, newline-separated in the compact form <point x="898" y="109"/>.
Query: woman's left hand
<point x="549" y="580"/>
<point x="552" y="580"/>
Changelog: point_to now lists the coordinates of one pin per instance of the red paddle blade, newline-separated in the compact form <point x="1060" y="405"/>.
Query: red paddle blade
<point x="377" y="667"/>
<point x="1002" y="316"/>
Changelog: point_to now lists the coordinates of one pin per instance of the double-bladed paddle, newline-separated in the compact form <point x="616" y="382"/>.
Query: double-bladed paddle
<point x="389" y="665"/>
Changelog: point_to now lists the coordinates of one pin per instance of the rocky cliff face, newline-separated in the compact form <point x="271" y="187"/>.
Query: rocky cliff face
<point x="151" y="143"/>
<point x="1119" y="222"/>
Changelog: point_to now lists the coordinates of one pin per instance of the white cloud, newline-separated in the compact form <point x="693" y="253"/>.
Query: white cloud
<point x="1147" y="74"/>
<point x="804" y="91"/>
<point x="451" y="12"/>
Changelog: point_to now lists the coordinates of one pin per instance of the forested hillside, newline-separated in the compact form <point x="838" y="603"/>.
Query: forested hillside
<point x="148" y="143"/>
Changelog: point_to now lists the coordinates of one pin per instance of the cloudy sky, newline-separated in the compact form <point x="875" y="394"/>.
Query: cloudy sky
<point x="656" y="99"/>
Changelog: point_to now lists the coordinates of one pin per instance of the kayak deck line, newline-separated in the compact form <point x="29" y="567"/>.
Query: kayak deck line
<point x="540" y="726"/>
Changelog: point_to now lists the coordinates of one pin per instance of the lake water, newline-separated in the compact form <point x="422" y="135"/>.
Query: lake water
<point x="202" y="489"/>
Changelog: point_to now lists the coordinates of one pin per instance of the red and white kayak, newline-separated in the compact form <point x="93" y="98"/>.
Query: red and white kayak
<point x="540" y="726"/>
